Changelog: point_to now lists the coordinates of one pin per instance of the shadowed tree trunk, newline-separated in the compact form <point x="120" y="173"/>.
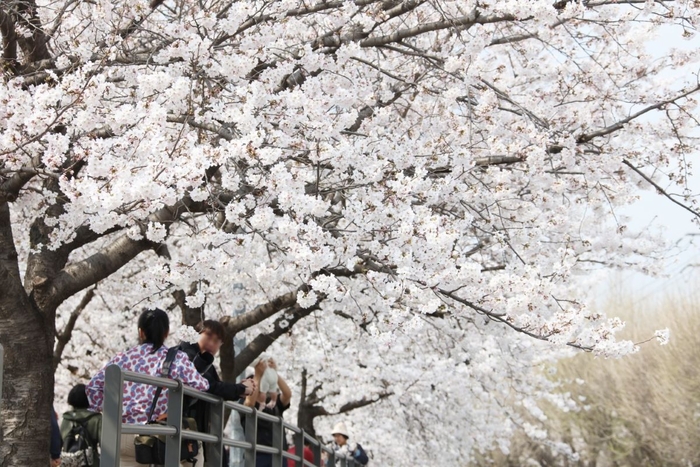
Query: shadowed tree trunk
<point x="27" y="336"/>
<point x="310" y="405"/>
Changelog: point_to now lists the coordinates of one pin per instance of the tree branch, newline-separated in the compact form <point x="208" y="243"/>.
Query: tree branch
<point x="9" y="189"/>
<point x="77" y="276"/>
<point x="283" y="324"/>
<point x="235" y="324"/>
<point x="34" y="47"/>
<point x="503" y="318"/>
<point x="619" y="125"/>
<point x="190" y="316"/>
<point x="9" y="43"/>
<point x="659" y="189"/>
<point x="364" y="402"/>
<point x="64" y="336"/>
<point x="470" y="20"/>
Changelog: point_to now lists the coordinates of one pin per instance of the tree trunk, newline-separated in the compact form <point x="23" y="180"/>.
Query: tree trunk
<point x="306" y="412"/>
<point x="27" y="392"/>
<point x="227" y="358"/>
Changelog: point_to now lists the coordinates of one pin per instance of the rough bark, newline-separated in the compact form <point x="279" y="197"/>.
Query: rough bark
<point x="27" y="391"/>
<point x="190" y="316"/>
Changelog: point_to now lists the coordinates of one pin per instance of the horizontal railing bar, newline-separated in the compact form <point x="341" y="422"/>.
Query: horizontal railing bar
<point x="291" y="427"/>
<point x="266" y="449"/>
<point x="313" y="440"/>
<point x="168" y="430"/>
<point x="148" y="429"/>
<point x="151" y="380"/>
<point x="268" y="417"/>
<point x="199" y="436"/>
<point x="199" y="395"/>
<point x="238" y="407"/>
<point x="234" y="443"/>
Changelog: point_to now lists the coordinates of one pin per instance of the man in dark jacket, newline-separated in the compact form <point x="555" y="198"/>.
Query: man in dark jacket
<point x="202" y="353"/>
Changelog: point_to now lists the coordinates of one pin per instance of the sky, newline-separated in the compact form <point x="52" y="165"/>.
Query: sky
<point x="681" y="269"/>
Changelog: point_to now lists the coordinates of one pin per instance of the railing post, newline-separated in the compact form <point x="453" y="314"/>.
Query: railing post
<point x="251" y="436"/>
<point x="111" y="436"/>
<point x="316" y="448"/>
<point x="278" y="442"/>
<point x="172" y="442"/>
<point x="299" y="447"/>
<point x="331" y="459"/>
<point x="215" y="451"/>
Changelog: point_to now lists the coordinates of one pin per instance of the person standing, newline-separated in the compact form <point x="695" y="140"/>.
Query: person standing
<point x="260" y="400"/>
<point x="201" y="354"/>
<point x="343" y="447"/>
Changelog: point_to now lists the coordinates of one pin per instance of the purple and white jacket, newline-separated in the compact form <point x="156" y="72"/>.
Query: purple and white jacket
<point x="139" y="397"/>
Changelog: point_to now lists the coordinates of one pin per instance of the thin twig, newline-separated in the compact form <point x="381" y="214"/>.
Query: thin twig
<point x="659" y="189"/>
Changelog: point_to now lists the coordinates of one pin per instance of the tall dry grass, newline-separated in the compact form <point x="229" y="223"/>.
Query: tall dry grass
<point x="641" y="410"/>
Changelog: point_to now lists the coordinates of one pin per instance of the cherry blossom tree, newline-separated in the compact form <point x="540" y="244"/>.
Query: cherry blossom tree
<point x="402" y="195"/>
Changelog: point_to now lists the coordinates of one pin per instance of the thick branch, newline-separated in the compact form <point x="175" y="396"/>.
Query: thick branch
<point x="235" y="324"/>
<point x="77" y="276"/>
<point x="34" y="47"/>
<point x="282" y="326"/>
<point x="9" y="43"/>
<point x="190" y="316"/>
<point x="364" y="402"/>
<point x="463" y="21"/>
<point x="10" y="188"/>
<point x="64" y="336"/>
<point x="497" y="160"/>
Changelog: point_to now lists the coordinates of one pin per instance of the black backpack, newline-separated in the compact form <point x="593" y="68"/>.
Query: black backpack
<point x="79" y="448"/>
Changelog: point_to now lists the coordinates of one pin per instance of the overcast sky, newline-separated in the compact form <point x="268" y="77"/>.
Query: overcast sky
<point x="682" y="267"/>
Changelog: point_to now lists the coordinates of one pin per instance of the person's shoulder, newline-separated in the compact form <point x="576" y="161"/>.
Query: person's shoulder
<point x="282" y="406"/>
<point x="189" y="348"/>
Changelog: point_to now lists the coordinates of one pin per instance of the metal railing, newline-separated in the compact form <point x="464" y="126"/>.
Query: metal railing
<point x="213" y="439"/>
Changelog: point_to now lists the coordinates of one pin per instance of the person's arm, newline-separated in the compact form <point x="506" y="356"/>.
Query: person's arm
<point x="94" y="390"/>
<point x="65" y="428"/>
<point x="360" y="455"/>
<point x="285" y="392"/>
<point x="252" y="399"/>
<point x="188" y="374"/>
<point x="230" y="391"/>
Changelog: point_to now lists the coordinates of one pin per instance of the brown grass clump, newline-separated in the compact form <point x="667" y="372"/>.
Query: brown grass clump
<point x="641" y="410"/>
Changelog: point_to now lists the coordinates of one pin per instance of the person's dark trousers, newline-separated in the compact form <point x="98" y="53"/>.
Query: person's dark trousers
<point x="263" y="460"/>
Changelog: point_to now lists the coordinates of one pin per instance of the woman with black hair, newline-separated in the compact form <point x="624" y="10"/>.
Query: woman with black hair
<point x="146" y="358"/>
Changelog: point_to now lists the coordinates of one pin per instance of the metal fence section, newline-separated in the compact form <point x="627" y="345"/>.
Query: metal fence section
<point x="213" y="439"/>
